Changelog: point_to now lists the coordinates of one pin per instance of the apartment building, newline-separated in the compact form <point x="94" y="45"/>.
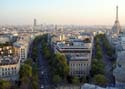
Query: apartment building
<point x="78" y="51"/>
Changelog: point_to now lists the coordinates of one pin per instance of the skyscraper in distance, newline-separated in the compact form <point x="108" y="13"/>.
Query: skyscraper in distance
<point x="35" y="22"/>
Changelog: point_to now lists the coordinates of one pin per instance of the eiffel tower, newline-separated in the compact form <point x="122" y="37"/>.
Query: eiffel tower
<point x="116" y="29"/>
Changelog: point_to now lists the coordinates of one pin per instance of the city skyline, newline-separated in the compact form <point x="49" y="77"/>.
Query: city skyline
<point x="80" y="12"/>
<point x="62" y="44"/>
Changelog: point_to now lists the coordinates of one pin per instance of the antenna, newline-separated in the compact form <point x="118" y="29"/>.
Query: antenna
<point x="117" y="12"/>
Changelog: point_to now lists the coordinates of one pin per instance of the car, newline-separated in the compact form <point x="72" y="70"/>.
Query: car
<point x="42" y="72"/>
<point x="42" y="87"/>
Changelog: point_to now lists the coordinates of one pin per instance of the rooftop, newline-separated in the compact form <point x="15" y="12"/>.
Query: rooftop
<point x="75" y="43"/>
<point x="91" y="86"/>
<point x="7" y="60"/>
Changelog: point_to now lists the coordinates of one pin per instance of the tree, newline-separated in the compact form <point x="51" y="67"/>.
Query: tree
<point x="28" y="61"/>
<point x="34" y="85"/>
<point x="99" y="54"/>
<point x="100" y="79"/>
<point x="24" y="80"/>
<point x="34" y="53"/>
<point x="56" y="78"/>
<point x="25" y="71"/>
<point x="98" y="48"/>
<point x="87" y="40"/>
<point x="57" y="62"/>
<point x="47" y="53"/>
<point x="34" y="69"/>
<point x="97" y="67"/>
<point x="25" y="75"/>
<point x="62" y="66"/>
<point x="69" y="79"/>
<point x="34" y="56"/>
<point x="108" y="47"/>
<point x="5" y="84"/>
<point x="83" y="79"/>
<point x="75" y="80"/>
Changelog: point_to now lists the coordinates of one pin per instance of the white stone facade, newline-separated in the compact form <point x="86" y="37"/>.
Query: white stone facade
<point x="78" y="54"/>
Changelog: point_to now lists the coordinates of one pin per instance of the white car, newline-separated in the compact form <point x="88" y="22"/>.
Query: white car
<point x="42" y="72"/>
<point x="42" y="87"/>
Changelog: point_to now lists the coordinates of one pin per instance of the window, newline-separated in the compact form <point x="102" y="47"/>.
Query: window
<point x="84" y="73"/>
<point x="2" y="69"/>
<point x="76" y="64"/>
<point x="9" y="73"/>
<point x="3" y="74"/>
<point x="14" y="72"/>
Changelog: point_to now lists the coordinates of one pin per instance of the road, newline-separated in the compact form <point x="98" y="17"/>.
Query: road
<point x="30" y="50"/>
<point x="43" y="69"/>
<point x="44" y="73"/>
<point x="107" y="62"/>
<point x="108" y="67"/>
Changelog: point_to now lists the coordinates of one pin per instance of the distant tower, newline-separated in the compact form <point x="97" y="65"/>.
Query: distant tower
<point x="55" y="29"/>
<point x="116" y="29"/>
<point x="33" y="28"/>
<point x="34" y="22"/>
<point x="116" y="13"/>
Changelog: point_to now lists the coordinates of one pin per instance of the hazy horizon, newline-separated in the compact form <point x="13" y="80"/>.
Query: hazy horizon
<point x="80" y="12"/>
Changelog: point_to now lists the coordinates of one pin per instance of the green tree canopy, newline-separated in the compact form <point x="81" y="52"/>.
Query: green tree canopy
<point x="5" y="84"/>
<point x="97" y="67"/>
<point x="100" y="79"/>
<point x="75" y="80"/>
<point x="28" y="61"/>
<point x="56" y="79"/>
<point x="25" y="70"/>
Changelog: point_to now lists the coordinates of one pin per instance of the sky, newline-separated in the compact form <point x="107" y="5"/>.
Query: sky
<point x="79" y="12"/>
